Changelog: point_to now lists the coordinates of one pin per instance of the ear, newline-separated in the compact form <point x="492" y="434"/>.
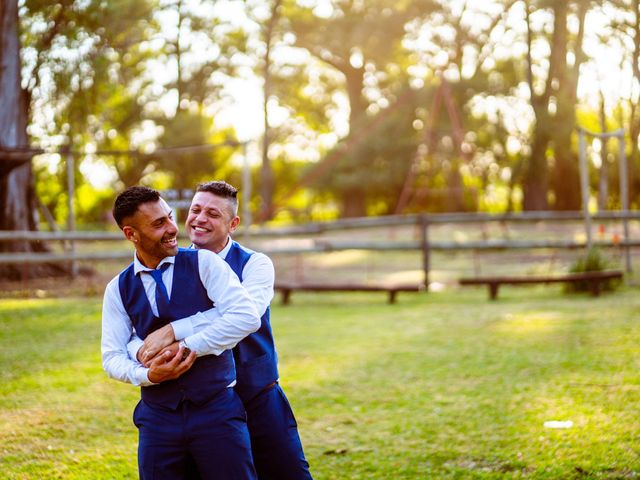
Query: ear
<point x="235" y="221"/>
<point x="130" y="233"/>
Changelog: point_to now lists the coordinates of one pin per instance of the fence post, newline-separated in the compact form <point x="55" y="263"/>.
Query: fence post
<point x="71" y="219"/>
<point x="246" y="188"/>
<point x="424" y="243"/>
<point x="624" y="199"/>
<point x="584" y="186"/>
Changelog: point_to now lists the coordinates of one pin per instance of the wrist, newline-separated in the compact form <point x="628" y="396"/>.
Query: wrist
<point x="171" y="332"/>
<point x="186" y="350"/>
<point x="149" y="375"/>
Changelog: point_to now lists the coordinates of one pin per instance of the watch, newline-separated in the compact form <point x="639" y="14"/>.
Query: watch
<point x="186" y="350"/>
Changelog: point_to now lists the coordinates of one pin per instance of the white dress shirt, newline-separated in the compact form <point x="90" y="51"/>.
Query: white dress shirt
<point x="235" y="316"/>
<point x="258" y="278"/>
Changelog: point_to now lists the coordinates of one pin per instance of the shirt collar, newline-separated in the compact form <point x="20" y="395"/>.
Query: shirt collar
<point x="139" y="267"/>
<point x="222" y="253"/>
<point x="225" y="251"/>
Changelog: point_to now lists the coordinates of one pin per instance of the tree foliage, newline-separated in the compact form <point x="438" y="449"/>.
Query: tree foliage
<point x="353" y="110"/>
<point x="372" y="71"/>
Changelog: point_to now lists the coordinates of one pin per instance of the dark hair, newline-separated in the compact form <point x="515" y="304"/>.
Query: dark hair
<point x="221" y="189"/>
<point x="127" y="203"/>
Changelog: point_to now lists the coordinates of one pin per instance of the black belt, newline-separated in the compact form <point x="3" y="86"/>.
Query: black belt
<point x="269" y="387"/>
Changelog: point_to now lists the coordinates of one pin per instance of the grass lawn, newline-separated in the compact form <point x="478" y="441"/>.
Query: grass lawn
<point x="440" y="385"/>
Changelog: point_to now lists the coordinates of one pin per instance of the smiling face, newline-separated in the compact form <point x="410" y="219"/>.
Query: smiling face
<point x="210" y="221"/>
<point x="153" y="232"/>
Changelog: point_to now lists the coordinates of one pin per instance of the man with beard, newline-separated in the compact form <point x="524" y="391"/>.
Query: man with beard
<point x="276" y="446"/>
<point x="188" y="414"/>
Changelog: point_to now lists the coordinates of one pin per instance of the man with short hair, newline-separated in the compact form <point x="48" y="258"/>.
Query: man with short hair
<point x="188" y="416"/>
<point x="276" y="446"/>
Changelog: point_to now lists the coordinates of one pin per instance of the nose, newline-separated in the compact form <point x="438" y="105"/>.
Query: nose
<point x="199" y="216"/>
<point x="173" y="228"/>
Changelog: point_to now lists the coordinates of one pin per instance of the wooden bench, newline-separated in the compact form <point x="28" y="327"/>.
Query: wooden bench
<point x="288" y="288"/>
<point x="594" y="279"/>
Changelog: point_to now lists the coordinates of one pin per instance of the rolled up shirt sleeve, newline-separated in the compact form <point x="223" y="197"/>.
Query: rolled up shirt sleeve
<point x="116" y="333"/>
<point x="236" y="315"/>
<point x="258" y="278"/>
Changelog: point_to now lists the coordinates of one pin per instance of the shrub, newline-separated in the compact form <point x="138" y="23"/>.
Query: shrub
<point x="594" y="261"/>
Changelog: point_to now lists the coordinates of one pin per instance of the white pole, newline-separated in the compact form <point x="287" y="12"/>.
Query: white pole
<point x="624" y="198"/>
<point x="246" y="187"/>
<point x="71" y="219"/>
<point x="584" y="186"/>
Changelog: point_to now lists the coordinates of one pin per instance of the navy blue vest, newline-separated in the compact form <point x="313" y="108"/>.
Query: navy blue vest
<point x="210" y="373"/>
<point x="255" y="356"/>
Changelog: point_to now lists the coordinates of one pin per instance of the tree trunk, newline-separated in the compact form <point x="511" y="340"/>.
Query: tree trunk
<point x="535" y="180"/>
<point x="566" y="176"/>
<point x="352" y="197"/>
<point x="535" y="173"/>
<point x="267" y="182"/>
<point x="455" y="185"/>
<point x="353" y="204"/>
<point x="634" y="156"/>
<point x="634" y="121"/>
<point x="16" y="184"/>
<point x="17" y="191"/>
<point x="357" y="103"/>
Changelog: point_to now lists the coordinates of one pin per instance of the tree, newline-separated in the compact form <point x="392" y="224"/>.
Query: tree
<point x="87" y="81"/>
<point x="460" y="47"/>
<point x="193" y="131"/>
<point x="269" y="37"/>
<point x="204" y="53"/>
<point x="623" y="34"/>
<point x="362" y="42"/>
<point x="17" y="197"/>
<point x="553" y="101"/>
<point x="96" y="82"/>
<point x="634" y="111"/>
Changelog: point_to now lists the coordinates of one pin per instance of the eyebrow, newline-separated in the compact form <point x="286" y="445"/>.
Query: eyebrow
<point x="161" y="218"/>
<point x="208" y="209"/>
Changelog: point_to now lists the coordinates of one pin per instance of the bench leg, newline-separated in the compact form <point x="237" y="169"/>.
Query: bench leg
<point x="392" y="296"/>
<point x="594" y="286"/>
<point x="493" y="290"/>
<point x="286" y="294"/>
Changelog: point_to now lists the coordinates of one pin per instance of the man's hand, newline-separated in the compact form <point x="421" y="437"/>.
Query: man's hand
<point x="154" y="343"/>
<point x="170" y="364"/>
<point x="170" y="352"/>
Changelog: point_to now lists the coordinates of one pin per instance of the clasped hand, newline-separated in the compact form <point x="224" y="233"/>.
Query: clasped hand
<point x="170" y="363"/>
<point x="164" y="357"/>
<point x="154" y="343"/>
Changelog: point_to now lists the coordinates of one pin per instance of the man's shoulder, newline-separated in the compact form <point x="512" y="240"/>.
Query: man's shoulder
<point x="113" y="283"/>
<point x="205" y="256"/>
<point x="193" y="255"/>
<point x="187" y="251"/>
<point x="250" y="251"/>
<point x="262" y="257"/>
<point x="126" y="270"/>
<point x="258" y="262"/>
<point x="254" y="255"/>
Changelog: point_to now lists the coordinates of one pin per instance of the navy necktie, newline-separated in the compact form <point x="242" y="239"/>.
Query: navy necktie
<point x="162" y="297"/>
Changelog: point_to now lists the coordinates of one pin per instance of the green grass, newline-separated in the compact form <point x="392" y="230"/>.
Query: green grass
<point x="442" y="385"/>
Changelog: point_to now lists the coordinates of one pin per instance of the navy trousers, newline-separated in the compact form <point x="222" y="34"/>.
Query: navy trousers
<point x="212" y="438"/>
<point x="275" y="443"/>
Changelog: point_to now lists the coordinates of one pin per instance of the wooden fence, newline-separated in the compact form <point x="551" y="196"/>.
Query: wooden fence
<point x="421" y="222"/>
